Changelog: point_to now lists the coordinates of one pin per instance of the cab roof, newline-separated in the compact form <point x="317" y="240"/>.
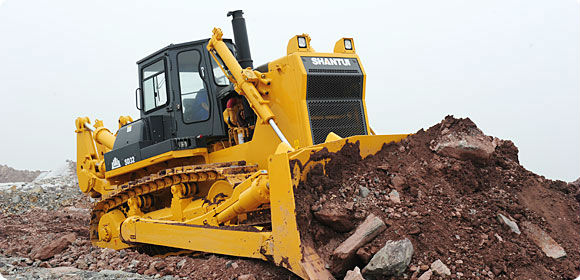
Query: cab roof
<point x="178" y="46"/>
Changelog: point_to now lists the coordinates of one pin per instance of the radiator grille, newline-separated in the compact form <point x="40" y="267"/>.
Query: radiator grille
<point x="343" y="117"/>
<point x="334" y="87"/>
<point x="335" y="104"/>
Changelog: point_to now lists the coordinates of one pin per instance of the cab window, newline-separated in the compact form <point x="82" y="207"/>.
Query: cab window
<point x="154" y="86"/>
<point x="218" y="75"/>
<point x="194" y="97"/>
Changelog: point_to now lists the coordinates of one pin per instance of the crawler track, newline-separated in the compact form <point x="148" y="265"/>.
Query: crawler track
<point x="164" y="179"/>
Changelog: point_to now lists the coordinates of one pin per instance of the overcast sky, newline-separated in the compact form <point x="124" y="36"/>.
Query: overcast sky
<point x="510" y="66"/>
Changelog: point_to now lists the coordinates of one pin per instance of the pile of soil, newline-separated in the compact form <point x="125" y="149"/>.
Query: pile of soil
<point x="448" y="205"/>
<point x="9" y="174"/>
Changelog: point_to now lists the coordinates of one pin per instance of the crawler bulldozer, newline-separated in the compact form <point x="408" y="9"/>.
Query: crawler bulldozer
<point x="220" y="148"/>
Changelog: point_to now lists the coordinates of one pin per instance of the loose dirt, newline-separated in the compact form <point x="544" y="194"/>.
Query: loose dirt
<point x="448" y="207"/>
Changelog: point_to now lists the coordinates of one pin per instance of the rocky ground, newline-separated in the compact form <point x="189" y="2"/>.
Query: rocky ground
<point x="50" y="190"/>
<point x="44" y="235"/>
<point x="448" y="202"/>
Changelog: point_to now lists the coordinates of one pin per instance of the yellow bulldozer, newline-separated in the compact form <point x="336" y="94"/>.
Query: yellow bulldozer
<point x="213" y="163"/>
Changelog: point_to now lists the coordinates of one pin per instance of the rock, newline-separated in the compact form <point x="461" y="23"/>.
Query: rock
<point x="168" y="271"/>
<point x="363" y="191"/>
<point x="353" y="274"/>
<point x="511" y="224"/>
<point x="82" y="264"/>
<point x="181" y="263"/>
<point x="424" y="267"/>
<point x="54" y="247"/>
<point x="349" y="206"/>
<point x="364" y="254"/>
<point x="335" y="217"/>
<point x="134" y="263"/>
<point x="392" y="259"/>
<point x="426" y="275"/>
<point x="37" y="189"/>
<point x="397" y="181"/>
<point x="344" y="255"/>
<point x="114" y="273"/>
<point x="235" y="265"/>
<point x="159" y="265"/>
<point x="548" y="245"/>
<point x="440" y="268"/>
<point x="394" y="196"/>
<point x="63" y="270"/>
<point x="109" y="251"/>
<point x="16" y="199"/>
<point x="150" y="271"/>
<point x="474" y="146"/>
<point x="247" y="277"/>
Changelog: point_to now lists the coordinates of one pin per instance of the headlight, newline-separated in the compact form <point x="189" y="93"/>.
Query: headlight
<point x="301" y="42"/>
<point x="347" y="44"/>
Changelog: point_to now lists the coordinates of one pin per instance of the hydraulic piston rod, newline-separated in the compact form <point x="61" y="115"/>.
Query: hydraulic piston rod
<point x="240" y="78"/>
<point x="278" y="132"/>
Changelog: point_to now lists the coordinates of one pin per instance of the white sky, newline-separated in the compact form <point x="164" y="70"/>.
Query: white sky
<point x="511" y="66"/>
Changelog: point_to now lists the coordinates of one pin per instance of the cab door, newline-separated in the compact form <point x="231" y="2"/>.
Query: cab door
<point x="193" y="93"/>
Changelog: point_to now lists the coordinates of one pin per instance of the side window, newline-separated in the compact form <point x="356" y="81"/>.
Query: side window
<point x="218" y="75"/>
<point x="194" y="97"/>
<point x="154" y="86"/>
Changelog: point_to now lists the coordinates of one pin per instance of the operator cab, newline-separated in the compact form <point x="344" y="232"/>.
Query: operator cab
<point x="186" y="102"/>
<point x="180" y="83"/>
<point x="181" y="96"/>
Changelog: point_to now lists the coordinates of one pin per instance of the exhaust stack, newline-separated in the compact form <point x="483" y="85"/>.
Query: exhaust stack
<point x="241" y="38"/>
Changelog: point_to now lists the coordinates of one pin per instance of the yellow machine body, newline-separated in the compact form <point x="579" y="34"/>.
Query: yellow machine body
<point x="199" y="199"/>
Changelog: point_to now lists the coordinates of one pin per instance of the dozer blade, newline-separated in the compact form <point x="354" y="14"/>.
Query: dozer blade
<point x="287" y="170"/>
<point x="313" y="265"/>
<point x="297" y="164"/>
<point x="288" y="250"/>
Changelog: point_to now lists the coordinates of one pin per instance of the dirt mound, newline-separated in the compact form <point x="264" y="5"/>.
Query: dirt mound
<point x="443" y="189"/>
<point x="9" y="174"/>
